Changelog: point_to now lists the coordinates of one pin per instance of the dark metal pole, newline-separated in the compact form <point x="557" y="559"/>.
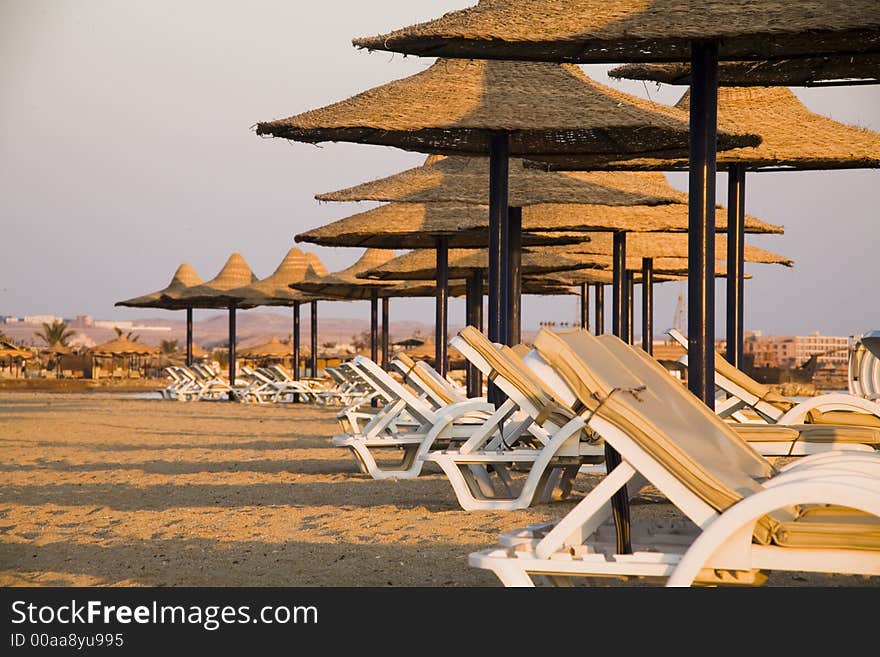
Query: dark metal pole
<point x="189" y="337"/>
<point x="296" y="339"/>
<point x="648" y="305"/>
<point x="231" y="348"/>
<point x="374" y="325"/>
<point x="442" y="296"/>
<point x="600" y="308"/>
<point x="585" y="306"/>
<point x="736" y="197"/>
<point x="701" y="220"/>
<point x="620" y="500"/>
<point x="618" y="287"/>
<point x="386" y="355"/>
<point x="499" y="154"/>
<point x="630" y="306"/>
<point x="474" y="317"/>
<point x="313" y="339"/>
<point x="514" y="280"/>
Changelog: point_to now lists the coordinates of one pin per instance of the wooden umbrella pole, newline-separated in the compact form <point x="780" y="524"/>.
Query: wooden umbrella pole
<point x="474" y="317"/>
<point x="313" y="339"/>
<point x="514" y="279"/>
<point x="386" y="355"/>
<point x="599" y="309"/>
<point x="442" y="299"/>
<point x="736" y="194"/>
<point x="620" y="500"/>
<point x="630" y="306"/>
<point x="585" y="306"/>
<point x="701" y="220"/>
<point x="189" y="337"/>
<point x="619" y="313"/>
<point x="648" y="305"/>
<point x="499" y="163"/>
<point x="231" y="349"/>
<point x="296" y="339"/>
<point x="374" y="325"/>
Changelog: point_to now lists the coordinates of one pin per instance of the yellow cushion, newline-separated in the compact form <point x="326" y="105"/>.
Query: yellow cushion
<point x="830" y="527"/>
<point x="811" y="433"/>
<point x="849" y="418"/>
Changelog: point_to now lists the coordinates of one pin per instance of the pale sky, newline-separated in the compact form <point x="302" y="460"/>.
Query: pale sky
<point x="126" y="148"/>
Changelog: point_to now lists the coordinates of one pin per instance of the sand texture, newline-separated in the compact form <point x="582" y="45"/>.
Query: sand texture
<point x="99" y="490"/>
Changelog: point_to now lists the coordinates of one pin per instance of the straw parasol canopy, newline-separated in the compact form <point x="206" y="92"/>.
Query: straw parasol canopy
<point x="805" y="72"/>
<point x="793" y="137"/>
<point x="459" y="179"/>
<point x="455" y="106"/>
<point x="274" y="348"/>
<point x="235" y="274"/>
<point x="9" y="350"/>
<point x="185" y="277"/>
<point x="613" y="31"/>
<point x="606" y="277"/>
<point x="345" y="284"/>
<point x="56" y="349"/>
<point x="274" y="290"/>
<point x="669" y="245"/>
<point x="417" y="225"/>
<point x="593" y="276"/>
<point x="122" y="346"/>
<point x="421" y="264"/>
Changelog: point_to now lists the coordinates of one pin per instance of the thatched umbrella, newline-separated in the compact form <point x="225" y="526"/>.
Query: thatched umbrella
<point x="167" y="298"/>
<point x="793" y="139"/>
<point x="822" y="71"/>
<point x="464" y="180"/>
<point x="274" y="290"/>
<point x="235" y="274"/>
<point x="122" y="347"/>
<point x="499" y="109"/>
<point x="617" y="31"/>
<point x="273" y="349"/>
<point x="419" y="225"/>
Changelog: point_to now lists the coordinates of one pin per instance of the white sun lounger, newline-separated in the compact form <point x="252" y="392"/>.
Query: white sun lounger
<point x="744" y="392"/>
<point x="385" y="431"/>
<point x="541" y="437"/>
<point x="741" y="517"/>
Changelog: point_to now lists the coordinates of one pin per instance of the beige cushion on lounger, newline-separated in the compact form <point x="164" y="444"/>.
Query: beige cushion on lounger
<point x="746" y="382"/>
<point x="414" y="369"/>
<point x="830" y="527"/>
<point x="670" y="424"/>
<point x="521" y="350"/>
<point x="848" y="418"/>
<point x="507" y="364"/>
<point x="811" y="433"/>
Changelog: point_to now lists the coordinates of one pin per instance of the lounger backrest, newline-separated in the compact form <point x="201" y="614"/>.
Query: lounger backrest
<point x="740" y="378"/>
<point x="419" y="372"/>
<point x="506" y="364"/>
<point x="414" y="405"/>
<point x="695" y="452"/>
<point x="689" y="408"/>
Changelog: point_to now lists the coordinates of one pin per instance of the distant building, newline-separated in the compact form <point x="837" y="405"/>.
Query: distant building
<point x="82" y="321"/>
<point x="110" y="324"/>
<point x="41" y="319"/>
<point x="795" y="350"/>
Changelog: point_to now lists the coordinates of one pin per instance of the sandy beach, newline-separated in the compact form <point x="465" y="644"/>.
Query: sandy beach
<point x="102" y="490"/>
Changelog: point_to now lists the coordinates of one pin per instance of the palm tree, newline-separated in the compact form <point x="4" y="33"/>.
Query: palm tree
<point x="168" y="347"/>
<point x="120" y="333"/>
<point x="55" y="333"/>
